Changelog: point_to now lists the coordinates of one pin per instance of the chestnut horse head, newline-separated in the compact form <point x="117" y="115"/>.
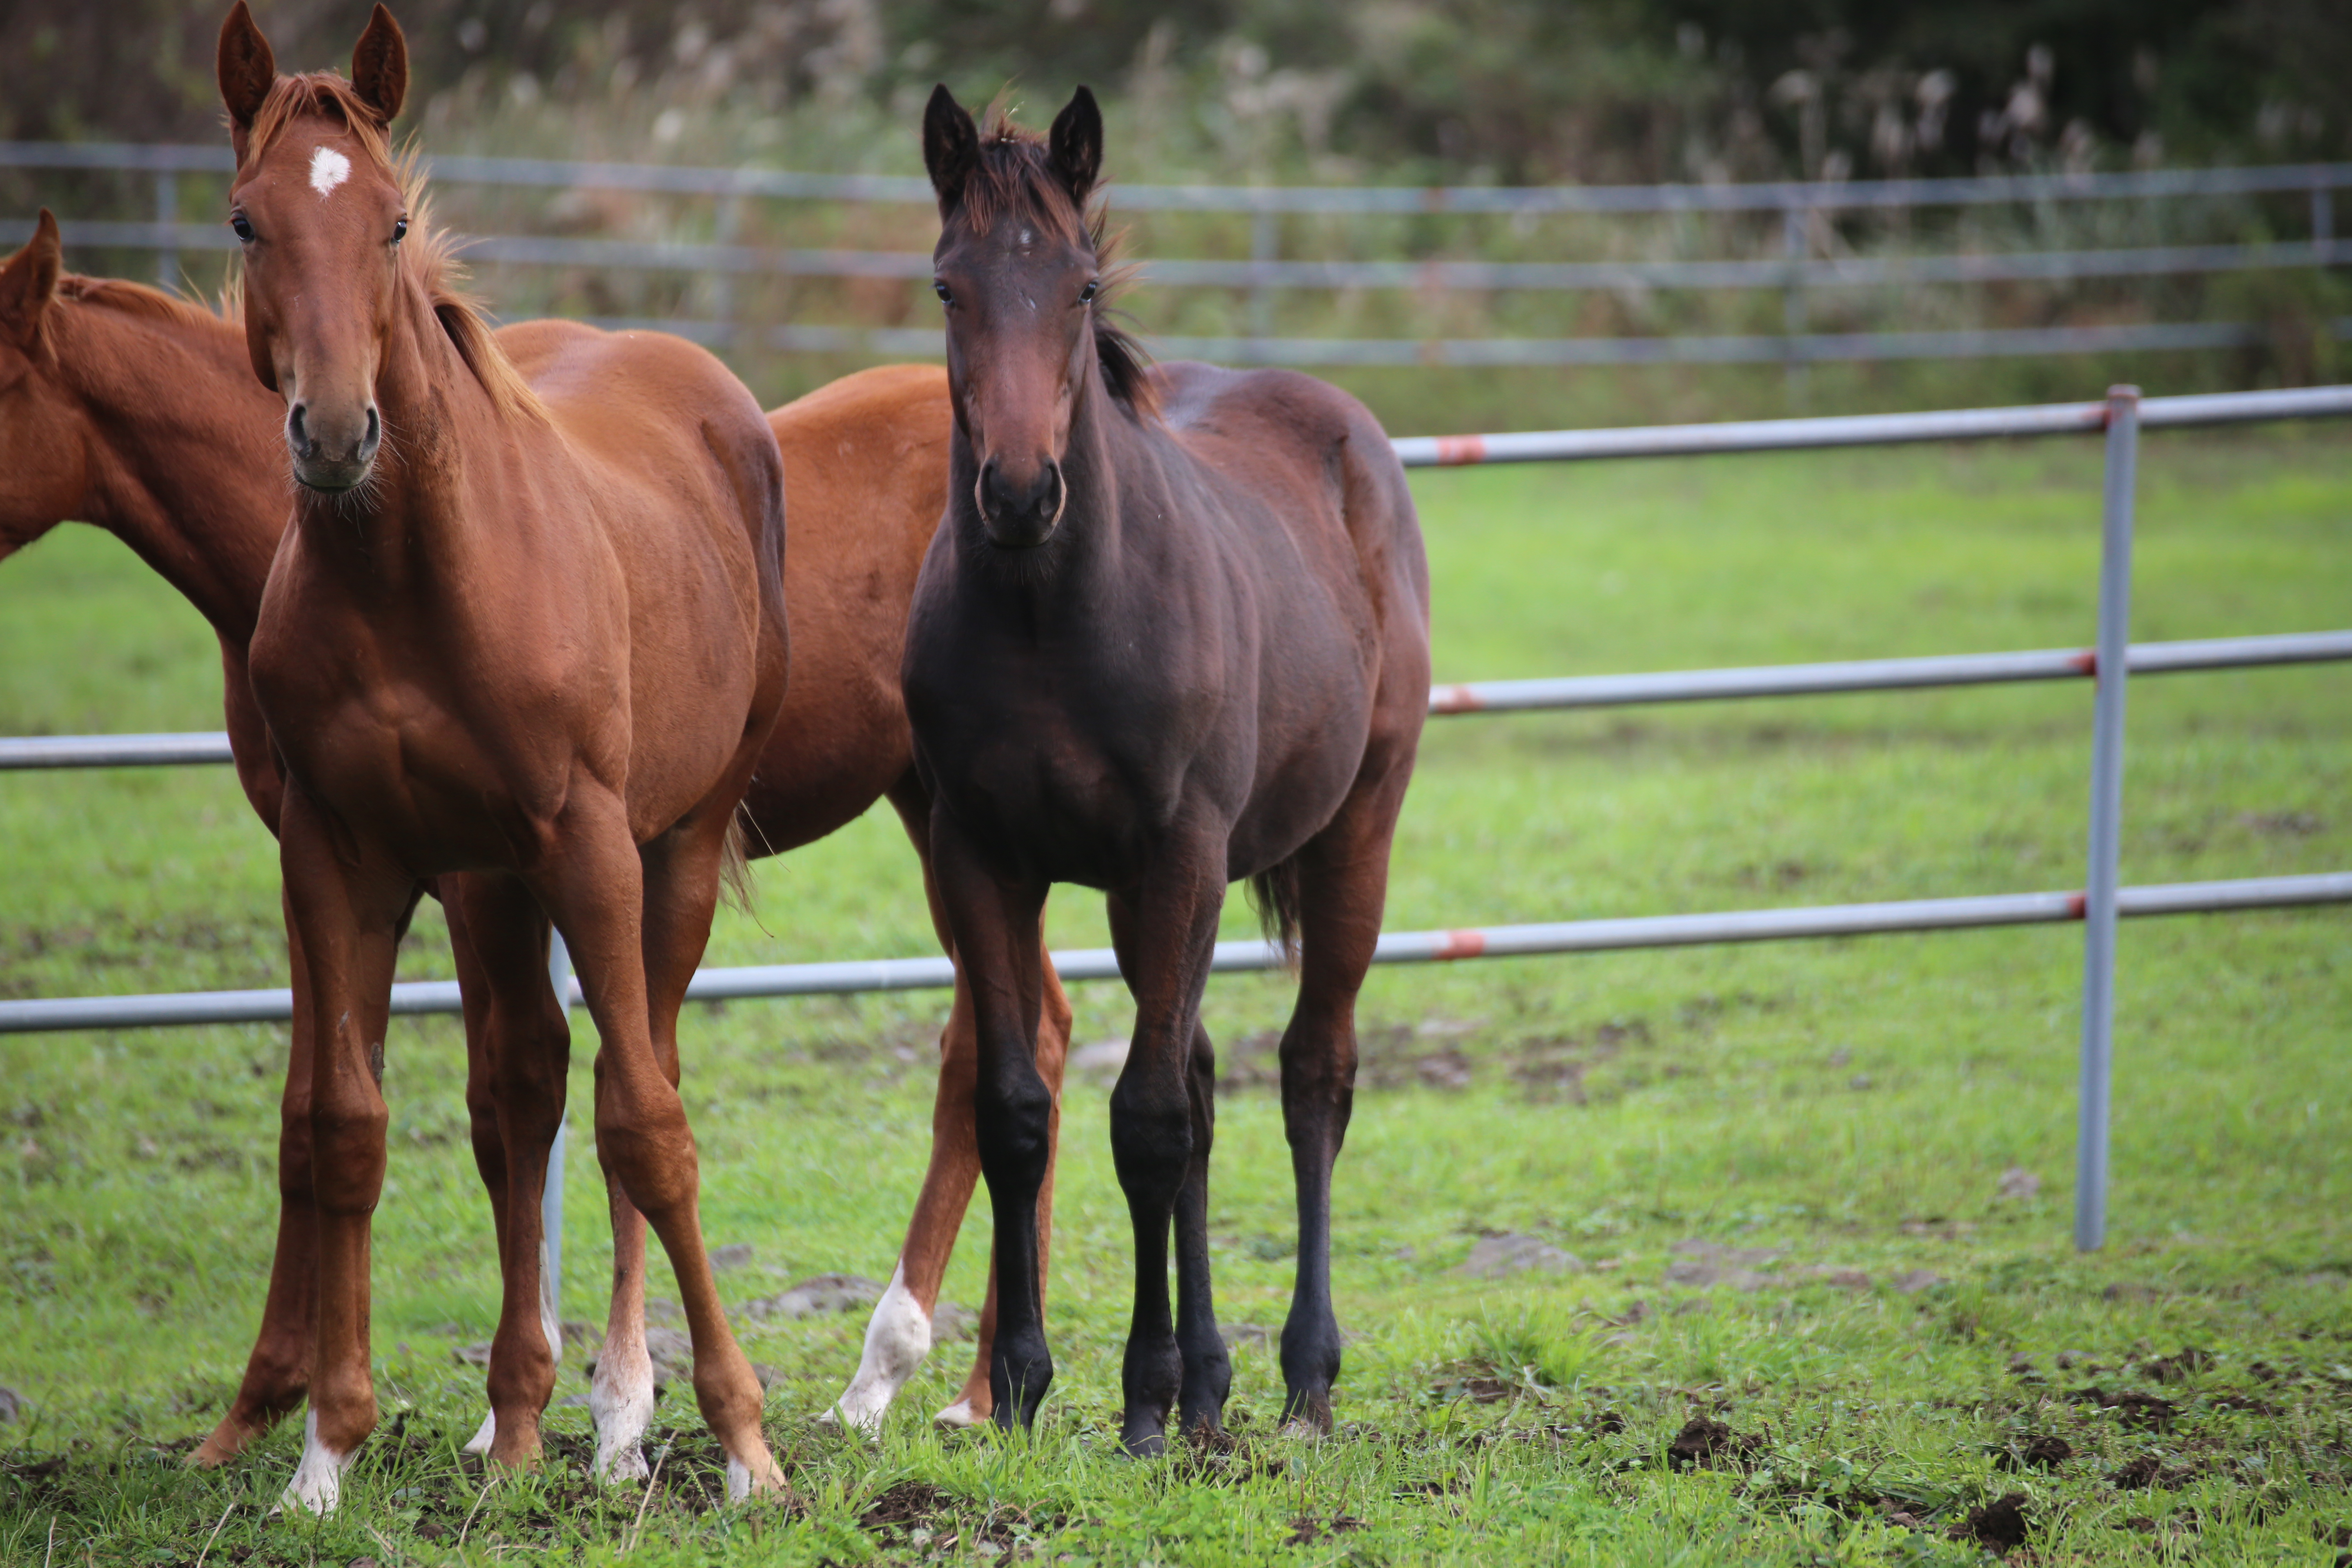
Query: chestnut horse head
<point x="320" y="212"/>
<point x="1024" y="275"/>
<point x="40" y="445"/>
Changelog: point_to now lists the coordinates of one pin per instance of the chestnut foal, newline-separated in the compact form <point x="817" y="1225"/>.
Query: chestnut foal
<point x="536" y="637"/>
<point x="139" y="413"/>
<point x="1174" y="632"/>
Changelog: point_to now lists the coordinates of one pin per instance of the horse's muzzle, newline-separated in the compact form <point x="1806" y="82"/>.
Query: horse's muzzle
<point x="1020" y="515"/>
<point x="332" y="455"/>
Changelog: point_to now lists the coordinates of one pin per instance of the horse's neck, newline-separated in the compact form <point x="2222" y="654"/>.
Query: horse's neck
<point x="187" y="471"/>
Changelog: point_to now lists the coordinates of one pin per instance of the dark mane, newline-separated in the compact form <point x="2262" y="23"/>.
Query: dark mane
<point x="1012" y="181"/>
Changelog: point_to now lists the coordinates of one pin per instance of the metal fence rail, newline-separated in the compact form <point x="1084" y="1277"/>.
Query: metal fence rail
<point x="848" y="977"/>
<point x="1573" y="691"/>
<point x="2098" y="906"/>
<point x="1796" y="273"/>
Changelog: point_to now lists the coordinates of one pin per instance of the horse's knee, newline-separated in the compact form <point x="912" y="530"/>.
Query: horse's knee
<point x="1013" y="1120"/>
<point x="1150" y="1138"/>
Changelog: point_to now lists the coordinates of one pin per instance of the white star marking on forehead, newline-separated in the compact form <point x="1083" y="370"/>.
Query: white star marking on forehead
<point x="329" y="169"/>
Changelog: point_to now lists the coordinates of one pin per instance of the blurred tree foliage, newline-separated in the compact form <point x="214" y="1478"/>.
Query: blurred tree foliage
<point x="1504" y="90"/>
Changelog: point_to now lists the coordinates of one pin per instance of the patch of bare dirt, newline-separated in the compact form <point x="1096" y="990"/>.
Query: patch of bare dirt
<point x="2000" y="1526"/>
<point x="2035" y="1453"/>
<point x="2145" y="1411"/>
<point x="1705" y="1442"/>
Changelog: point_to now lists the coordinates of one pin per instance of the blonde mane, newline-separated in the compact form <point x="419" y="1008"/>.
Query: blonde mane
<point x="427" y="256"/>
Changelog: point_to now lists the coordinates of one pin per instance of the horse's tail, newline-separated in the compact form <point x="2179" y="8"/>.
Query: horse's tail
<point x="1274" y="894"/>
<point x="735" y="865"/>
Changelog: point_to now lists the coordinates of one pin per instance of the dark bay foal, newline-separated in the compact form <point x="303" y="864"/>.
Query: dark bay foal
<point x="1174" y="632"/>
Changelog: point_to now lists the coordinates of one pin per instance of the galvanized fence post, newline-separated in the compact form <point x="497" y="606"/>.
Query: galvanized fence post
<point x="2103" y="876"/>
<point x="550" y="1197"/>
<point x="1265" y="246"/>
<point x="167" y="213"/>
<point x="1796" y="243"/>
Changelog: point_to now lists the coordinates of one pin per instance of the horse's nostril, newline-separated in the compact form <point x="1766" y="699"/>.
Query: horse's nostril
<point x="296" y="432"/>
<point x="374" y="430"/>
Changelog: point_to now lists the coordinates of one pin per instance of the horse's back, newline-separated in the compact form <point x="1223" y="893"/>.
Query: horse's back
<point x="653" y="413"/>
<point x="866" y="470"/>
<point x="1316" y="455"/>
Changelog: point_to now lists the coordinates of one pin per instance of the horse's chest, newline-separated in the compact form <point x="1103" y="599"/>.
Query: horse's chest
<point x="400" y="760"/>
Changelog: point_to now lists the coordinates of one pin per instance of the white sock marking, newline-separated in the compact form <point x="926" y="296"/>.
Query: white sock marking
<point x="329" y="169"/>
<point x="898" y="1337"/>
<point x="480" y="1442"/>
<point x="621" y="1398"/>
<point x="318" y="1483"/>
<point x="739" y="1479"/>
<point x="960" y="1414"/>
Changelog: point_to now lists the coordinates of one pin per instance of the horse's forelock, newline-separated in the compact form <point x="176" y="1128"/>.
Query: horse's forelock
<point x="1013" y="180"/>
<point x="318" y="92"/>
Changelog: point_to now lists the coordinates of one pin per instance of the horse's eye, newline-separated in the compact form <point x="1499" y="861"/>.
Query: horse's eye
<point x="244" y="229"/>
<point x="939" y="287"/>
<point x="399" y="231"/>
<point x="1087" y="295"/>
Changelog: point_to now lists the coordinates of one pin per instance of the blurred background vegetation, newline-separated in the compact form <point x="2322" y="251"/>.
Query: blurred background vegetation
<point x="1511" y="91"/>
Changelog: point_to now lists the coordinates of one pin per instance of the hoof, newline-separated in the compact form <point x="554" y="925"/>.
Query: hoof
<point x="959" y="1415"/>
<point x="1148" y="1446"/>
<point x="758" y="1478"/>
<point x="484" y="1435"/>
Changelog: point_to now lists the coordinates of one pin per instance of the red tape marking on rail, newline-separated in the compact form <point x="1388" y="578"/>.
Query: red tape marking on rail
<point x="1453" y="451"/>
<point x="2077" y="906"/>
<point x="1461" y="944"/>
<point x="2087" y="662"/>
<point x="1456" y="699"/>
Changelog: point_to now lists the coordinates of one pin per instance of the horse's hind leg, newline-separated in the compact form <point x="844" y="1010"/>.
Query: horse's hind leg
<point x="278" y="1373"/>
<point x="1208" y="1367"/>
<point x="1343" y="883"/>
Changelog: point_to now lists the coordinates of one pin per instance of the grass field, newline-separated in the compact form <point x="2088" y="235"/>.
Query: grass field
<point x="1889" y="1347"/>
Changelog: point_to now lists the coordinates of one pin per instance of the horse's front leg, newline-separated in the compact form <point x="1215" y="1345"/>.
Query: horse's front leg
<point x="1166" y="933"/>
<point x="519" y="1058"/>
<point x="278" y="1373"/>
<point x="994" y="928"/>
<point x="348" y="916"/>
<point x="595" y="885"/>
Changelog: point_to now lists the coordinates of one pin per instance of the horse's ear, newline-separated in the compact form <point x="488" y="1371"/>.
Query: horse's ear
<point x="248" y="70"/>
<point x="950" y="146"/>
<point x="27" y="281"/>
<point x="1074" y="147"/>
<point x="380" y="65"/>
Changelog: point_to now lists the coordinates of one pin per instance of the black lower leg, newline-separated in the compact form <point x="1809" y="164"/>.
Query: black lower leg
<point x="1150" y="1137"/>
<point x="1208" y="1370"/>
<point x="1012" y="1119"/>
<point x="1318" y="1092"/>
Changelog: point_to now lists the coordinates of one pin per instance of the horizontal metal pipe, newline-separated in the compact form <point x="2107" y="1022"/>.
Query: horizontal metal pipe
<point x="1864" y="429"/>
<point x="790" y="184"/>
<point x="1509" y="696"/>
<point x="1882" y="674"/>
<point x="1833" y="272"/>
<point x="114" y="751"/>
<point x="1233" y="957"/>
<point x="1812" y="348"/>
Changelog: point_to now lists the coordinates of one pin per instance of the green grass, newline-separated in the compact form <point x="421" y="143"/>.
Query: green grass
<point x="1852" y="1104"/>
